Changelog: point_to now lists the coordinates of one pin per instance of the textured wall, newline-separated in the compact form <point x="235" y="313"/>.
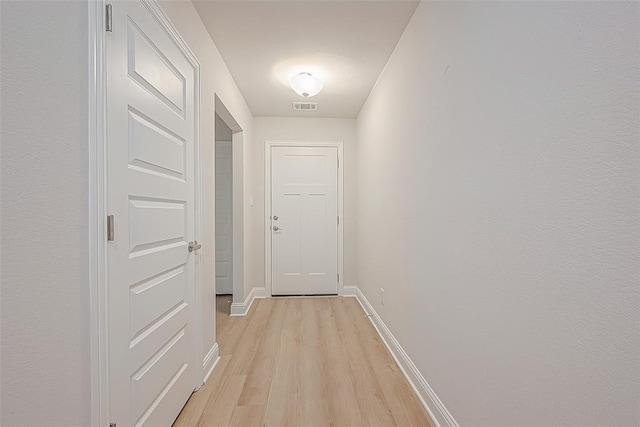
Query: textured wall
<point x="498" y="206"/>
<point x="44" y="378"/>
<point x="304" y="129"/>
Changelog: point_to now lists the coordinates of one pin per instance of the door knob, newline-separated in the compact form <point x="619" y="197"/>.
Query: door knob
<point x="276" y="228"/>
<point x="194" y="246"/>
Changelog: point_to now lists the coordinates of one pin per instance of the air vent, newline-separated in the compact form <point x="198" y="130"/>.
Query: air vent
<point x="305" y="106"/>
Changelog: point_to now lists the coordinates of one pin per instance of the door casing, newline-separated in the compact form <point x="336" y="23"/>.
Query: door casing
<point x="97" y="103"/>
<point x="267" y="204"/>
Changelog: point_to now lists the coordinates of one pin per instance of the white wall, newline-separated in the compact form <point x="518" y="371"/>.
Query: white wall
<point x="304" y="129"/>
<point x="215" y="80"/>
<point x="44" y="338"/>
<point x="222" y="131"/>
<point x="498" y="185"/>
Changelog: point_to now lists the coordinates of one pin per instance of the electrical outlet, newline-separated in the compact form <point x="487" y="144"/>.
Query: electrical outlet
<point x="381" y="296"/>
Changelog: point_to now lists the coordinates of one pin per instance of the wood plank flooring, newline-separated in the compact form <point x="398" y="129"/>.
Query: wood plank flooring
<point x="302" y="362"/>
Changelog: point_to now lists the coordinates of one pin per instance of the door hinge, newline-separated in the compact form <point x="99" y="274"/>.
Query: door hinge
<point x="338" y="161"/>
<point x="110" y="228"/>
<point x="108" y="19"/>
<point x="338" y="277"/>
<point x="338" y="220"/>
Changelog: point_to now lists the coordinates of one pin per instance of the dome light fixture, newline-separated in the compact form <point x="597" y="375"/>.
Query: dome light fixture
<point x="304" y="84"/>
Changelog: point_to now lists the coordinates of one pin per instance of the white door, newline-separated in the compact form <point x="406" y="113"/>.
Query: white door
<point x="224" y="218"/>
<point x="151" y="277"/>
<point x="304" y="220"/>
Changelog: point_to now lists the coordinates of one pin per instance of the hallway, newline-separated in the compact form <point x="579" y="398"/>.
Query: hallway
<point x="280" y="368"/>
<point x="457" y="183"/>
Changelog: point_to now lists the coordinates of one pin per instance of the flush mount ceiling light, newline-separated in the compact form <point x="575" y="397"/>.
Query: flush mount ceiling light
<point x="304" y="84"/>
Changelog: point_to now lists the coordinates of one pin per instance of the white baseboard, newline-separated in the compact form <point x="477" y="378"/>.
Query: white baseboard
<point x="439" y="414"/>
<point x="241" y="309"/>
<point x="259" y="292"/>
<point x="210" y="361"/>
<point x="349" y="291"/>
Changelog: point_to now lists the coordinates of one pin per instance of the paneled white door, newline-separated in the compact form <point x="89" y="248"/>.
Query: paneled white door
<point x="224" y="218"/>
<point x="304" y="220"/>
<point x="151" y="189"/>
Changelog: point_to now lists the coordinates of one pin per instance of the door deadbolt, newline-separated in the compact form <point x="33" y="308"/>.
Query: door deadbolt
<point x="275" y="217"/>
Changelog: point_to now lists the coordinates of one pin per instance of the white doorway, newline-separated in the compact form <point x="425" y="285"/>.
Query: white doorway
<point x="303" y="218"/>
<point x="152" y="263"/>
<point x="229" y="212"/>
<point x="224" y="208"/>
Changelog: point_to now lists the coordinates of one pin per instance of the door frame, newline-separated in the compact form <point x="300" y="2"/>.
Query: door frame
<point x="268" y="144"/>
<point x="97" y="201"/>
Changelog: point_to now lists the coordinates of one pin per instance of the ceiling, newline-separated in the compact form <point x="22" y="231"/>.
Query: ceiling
<point x="345" y="43"/>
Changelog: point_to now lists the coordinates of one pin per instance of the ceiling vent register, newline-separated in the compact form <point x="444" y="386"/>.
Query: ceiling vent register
<point x="305" y="106"/>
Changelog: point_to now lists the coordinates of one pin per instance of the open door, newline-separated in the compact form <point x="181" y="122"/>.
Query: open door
<point x="151" y="137"/>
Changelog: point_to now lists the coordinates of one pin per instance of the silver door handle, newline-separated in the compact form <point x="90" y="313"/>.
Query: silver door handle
<point x="276" y="228"/>
<point x="194" y="246"/>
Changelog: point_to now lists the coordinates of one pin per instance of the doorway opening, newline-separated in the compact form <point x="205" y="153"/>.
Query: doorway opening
<point x="228" y="212"/>
<point x="223" y="220"/>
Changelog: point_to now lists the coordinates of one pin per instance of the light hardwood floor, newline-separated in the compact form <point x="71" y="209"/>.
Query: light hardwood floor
<point x="302" y="362"/>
